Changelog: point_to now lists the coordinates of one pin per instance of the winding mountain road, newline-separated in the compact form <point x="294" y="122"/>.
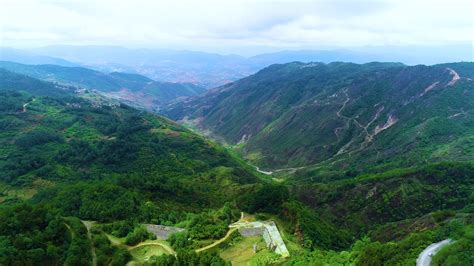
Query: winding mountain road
<point x="263" y="172"/>
<point x="424" y="259"/>
<point x="231" y="230"/>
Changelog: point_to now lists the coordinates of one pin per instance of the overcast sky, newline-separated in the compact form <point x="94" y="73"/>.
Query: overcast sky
<point x="233" y="25"/>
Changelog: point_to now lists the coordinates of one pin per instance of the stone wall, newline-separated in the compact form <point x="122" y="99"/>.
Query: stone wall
<point x="162" y="232"/>
<point x="251" y="231"/>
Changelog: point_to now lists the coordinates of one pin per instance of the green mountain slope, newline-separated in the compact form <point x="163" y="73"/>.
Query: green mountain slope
<point x="368" y="201"/>
<point x="17" y="82"/>
<point x="70" y="139"/>
<point x="342" y="115"/>
<point x="132" y="88"/>
<point x="67" y="156"/>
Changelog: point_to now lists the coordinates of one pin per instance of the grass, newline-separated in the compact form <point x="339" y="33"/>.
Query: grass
<point x="242" y="252"/>
<point x="89" y="224"/>
<point x="145" y="250"/>
<point x="143" y="253"/>
<point x="8" y="192"/>
<point x="278" y="180"/>
<point x="116" y="241"/>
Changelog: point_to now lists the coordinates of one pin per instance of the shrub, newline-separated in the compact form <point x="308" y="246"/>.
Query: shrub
<point x="139" y="234"/>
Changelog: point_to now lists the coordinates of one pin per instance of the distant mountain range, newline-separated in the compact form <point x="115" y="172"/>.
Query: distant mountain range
<point x="211" y="70"/>
<point x="16" y="82"/>
<point x="27" y="57"/>
<point x="342" y="115"/>
<point x="134" y="89"/>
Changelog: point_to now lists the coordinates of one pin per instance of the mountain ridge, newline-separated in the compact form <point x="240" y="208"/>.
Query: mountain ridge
<point x="270" y="115"/>
<point x="211" y="69"/>
<point x="132" y="88"/>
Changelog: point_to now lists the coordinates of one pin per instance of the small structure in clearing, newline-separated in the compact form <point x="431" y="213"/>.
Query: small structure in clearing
<point x="162" y="232"/>
<point x="268" y="230"/>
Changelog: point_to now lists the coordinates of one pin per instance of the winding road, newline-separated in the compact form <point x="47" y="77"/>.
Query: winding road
<point x="231" y="230"/>
<point x="263" y="172"/>
<point x="424" y="259"/>
<point x="291" y="169"/>
<point x="218" y="241"/>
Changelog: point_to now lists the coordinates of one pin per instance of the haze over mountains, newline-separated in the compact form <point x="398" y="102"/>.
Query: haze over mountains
<point x="134" y="89"/>
<point x="27" y="57"/>
<point x="211" y="70"/>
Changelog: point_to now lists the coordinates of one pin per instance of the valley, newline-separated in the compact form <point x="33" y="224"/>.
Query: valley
<point x="236" y="133"/>
<point x="335" y="164"/>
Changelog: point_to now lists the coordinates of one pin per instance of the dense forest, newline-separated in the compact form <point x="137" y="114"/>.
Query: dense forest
<point x="82" y="176"/>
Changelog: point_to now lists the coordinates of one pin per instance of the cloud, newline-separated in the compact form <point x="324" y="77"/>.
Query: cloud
<point x="245" y="23"/>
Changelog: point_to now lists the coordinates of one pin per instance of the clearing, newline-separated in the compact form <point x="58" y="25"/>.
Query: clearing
<point x="242" y="252"/>
<point x="145" y="250"/>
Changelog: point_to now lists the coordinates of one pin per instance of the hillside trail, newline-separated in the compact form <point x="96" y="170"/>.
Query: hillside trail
<point x="26" y="104"/>
<point x="339" y="114"/>
<point x="290" y="169"/>
<point x="368" y="136"/>
<point x="88" y="225"/>
<point x="229" y="233"/>
<point x="218" y="241"/>
<point x="455" y="75"/>
<point x="262" y="171"/>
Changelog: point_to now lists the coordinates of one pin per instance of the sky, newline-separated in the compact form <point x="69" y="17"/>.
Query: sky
<point x="236" y="25"/>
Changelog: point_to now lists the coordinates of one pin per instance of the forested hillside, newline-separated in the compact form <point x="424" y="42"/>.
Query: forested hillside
<point x="100" y="161"/>
<point x="14" y="82"/>
<point x="82" y="174"/>
<point x="342" y="115"/>
<point x="136" y="90"/>
<point x="71" y="140"/>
